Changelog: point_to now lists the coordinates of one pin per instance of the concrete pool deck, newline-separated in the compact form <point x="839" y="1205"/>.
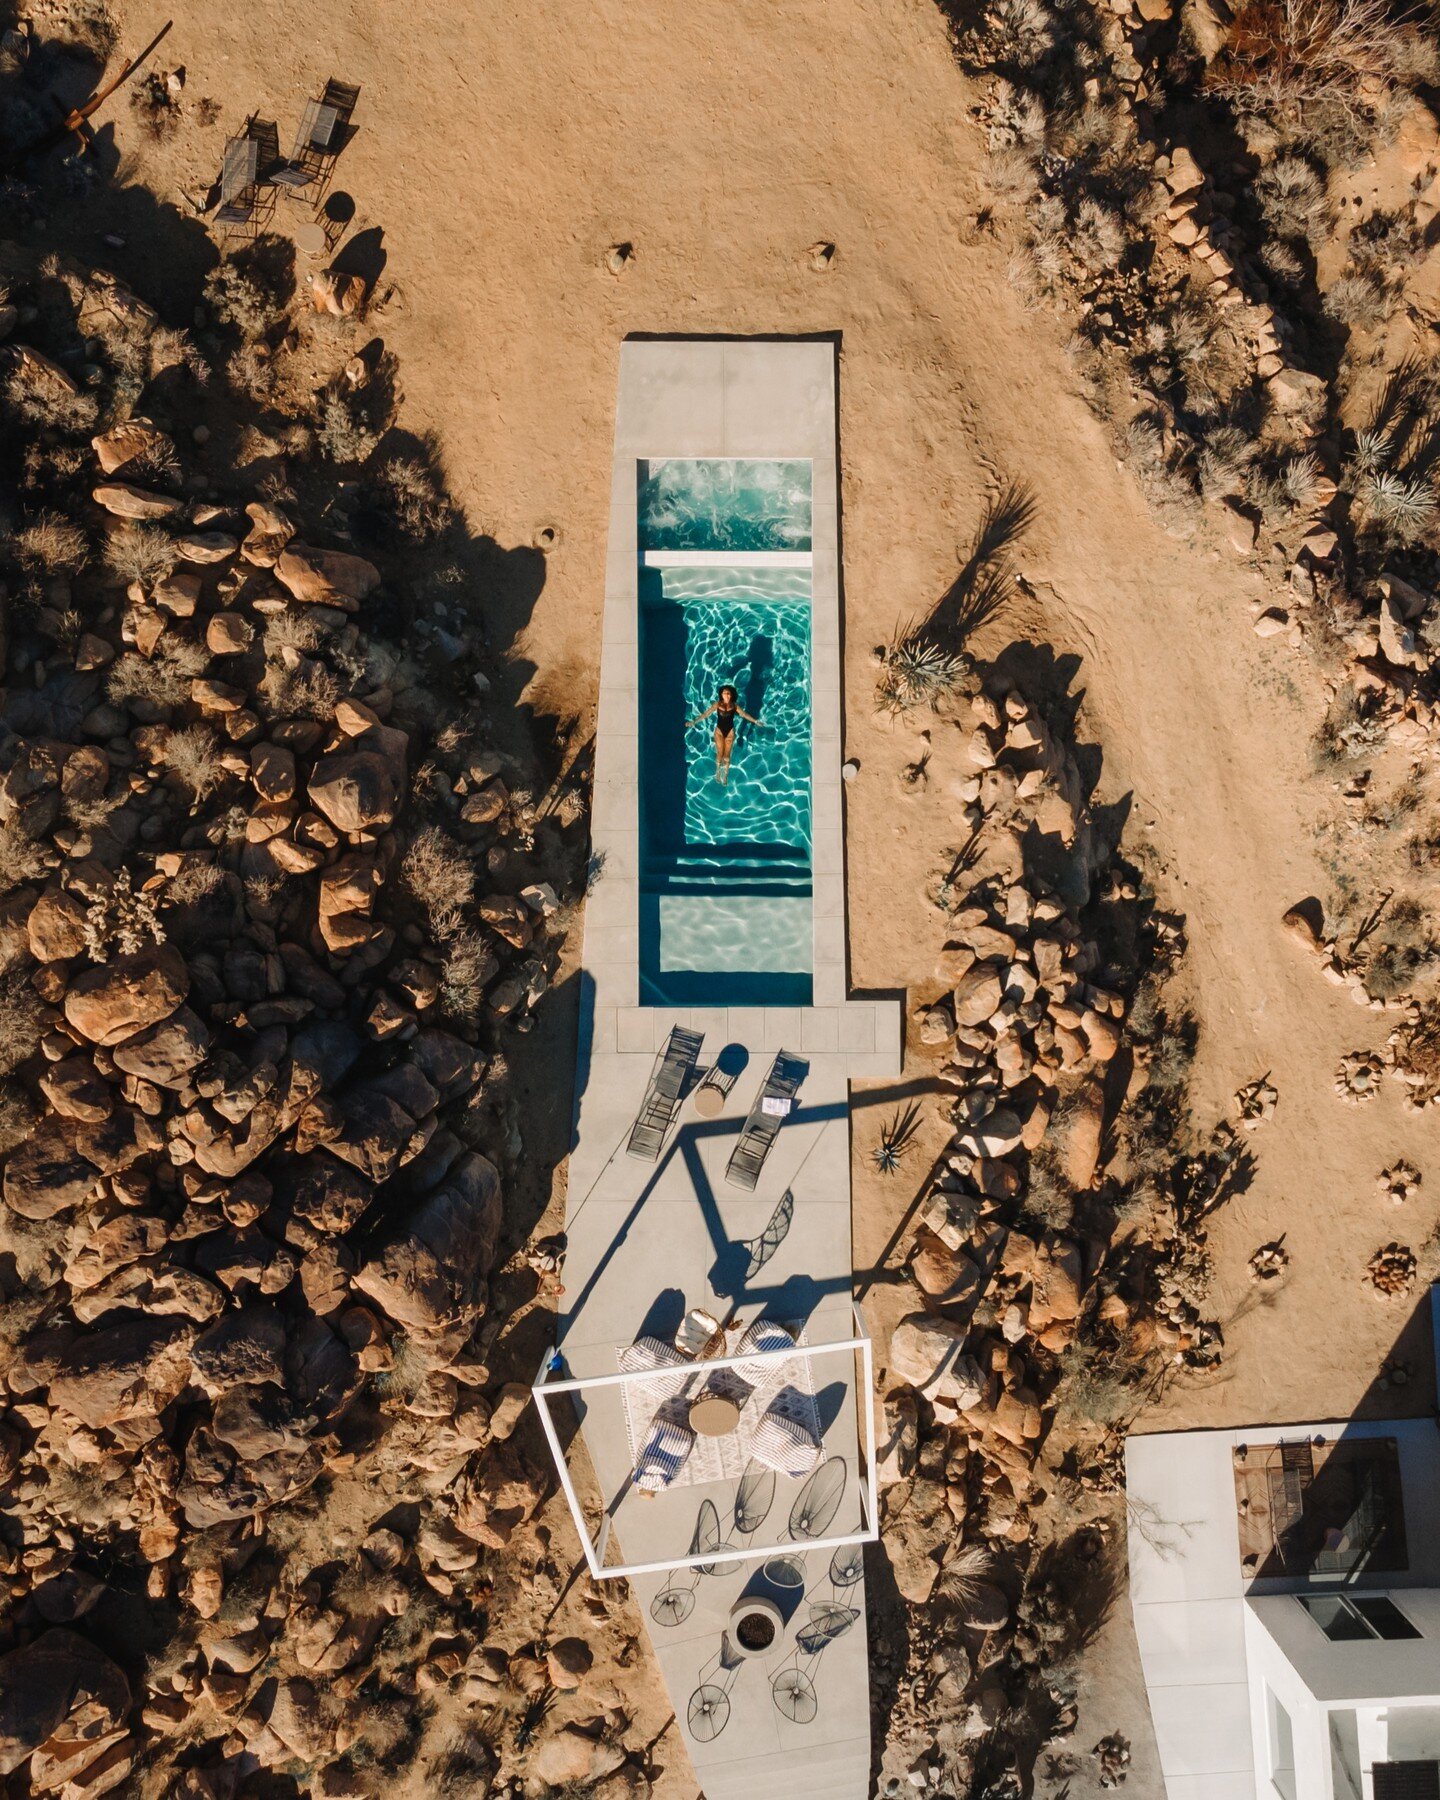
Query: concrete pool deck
<point x="647" y="1240"/>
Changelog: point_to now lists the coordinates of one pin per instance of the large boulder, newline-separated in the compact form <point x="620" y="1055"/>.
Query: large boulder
<point x="359" y="787"/>
<point x="432" y="1277"/>
<point x="325" y="577"/>
<point x="929" y="1354"/>
<point x="111" y="1003"/>
<point x="167" y="1053"/>
<point x="244" y="1347"/>
<point x="122" y="444"/>
<point x="60" y="1689"/>
<point x="48" y="1174"/>
<point x="128" y="502"/>
<point x="133" y="1368"/>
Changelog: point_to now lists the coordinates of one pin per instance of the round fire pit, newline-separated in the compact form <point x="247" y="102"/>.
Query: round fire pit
<point x="756" y="1625"/>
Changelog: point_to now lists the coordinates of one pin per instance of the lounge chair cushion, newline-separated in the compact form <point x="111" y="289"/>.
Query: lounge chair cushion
<point x="649" y="1353"/>
<point x="663" y="1455"/>
<point x="761" y="1336"/>
<point x="783" y="1445"/>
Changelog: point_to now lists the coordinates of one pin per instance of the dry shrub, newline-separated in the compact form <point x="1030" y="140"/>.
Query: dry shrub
<point x="308" y="691"/>
<point x="21" y="858"/>
<point x="291" y="630"/>
<point x="1286" y="55"/>
<point x="142" y="553"/>
<point x="194" y="884"/>
<point x="18" y="1117"/>
<point x="162" y="681"/>
<point x="411" y="494"/>
<point x="240" y="298"/>
<point x="469" y="968"/>
<point x="192" y="755"/>
<point x="436" y="873"/>
<point x="21" y="1014"/>
<point x="121" y="921"/>
<point x="51" y="545"/>
<point x="45" y="403"/>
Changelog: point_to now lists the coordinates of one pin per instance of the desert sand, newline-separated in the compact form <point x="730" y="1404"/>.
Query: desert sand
<point x="501" y="151"/>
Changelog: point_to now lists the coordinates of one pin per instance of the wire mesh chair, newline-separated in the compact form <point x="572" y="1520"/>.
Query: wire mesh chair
<point x="324" y="131"/>
<point x="793" y="1688"/>
<point x="675" y="1601"/>
<point x="819" y="1500"/>
<point x="247" y="171"/>
<point x="754" y="1496"/>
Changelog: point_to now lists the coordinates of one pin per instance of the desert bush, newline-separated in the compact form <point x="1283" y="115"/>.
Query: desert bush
<point x="291" y="630"/>
<point x="163" y="680"/>
<point x="121" y="921"/>
<point x="51" y="545"/>
<point x="44" y="404"/>
<point x="1404" y="950"/>
<point x="310" y="690"/>
<point x="1049" y="1202"/>
<point x="1098" y="237"/>
<point x="410" y="493"/>
<point x="437" y="873"/>
<point x="192" y="755"/>
<point x="1287" y="56"/>
<point x="240" y="296"/>
<point x="21" y="858"/>
<point x="1291" y="197"/>
<point x="468" y="969"/>
<point x="1360" y="299"/>
<point x="142" y="553"/>
<point x="21" y="1019"/>
<point x="342" y="432"/>
<point x="1223" y="461"/>
<point x="18" y="1117"/>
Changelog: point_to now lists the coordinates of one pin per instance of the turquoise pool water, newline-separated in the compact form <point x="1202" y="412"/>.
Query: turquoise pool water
<point x="725" y="883"/>
<point x="688" y="503"/>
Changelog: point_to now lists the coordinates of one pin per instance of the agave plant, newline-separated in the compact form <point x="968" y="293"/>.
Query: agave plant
<point x="917" y="672"/>
<point x="895" y="1139"/>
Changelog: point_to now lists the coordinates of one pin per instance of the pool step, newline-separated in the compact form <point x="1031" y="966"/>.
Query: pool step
<point x="701" y="872"/>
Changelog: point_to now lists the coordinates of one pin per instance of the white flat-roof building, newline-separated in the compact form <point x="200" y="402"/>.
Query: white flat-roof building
<point x="1285" y="1582"/>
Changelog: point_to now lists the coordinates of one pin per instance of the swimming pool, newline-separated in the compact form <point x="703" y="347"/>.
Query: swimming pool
<point x="708" y="503"/>
<point x="726" y="914"/>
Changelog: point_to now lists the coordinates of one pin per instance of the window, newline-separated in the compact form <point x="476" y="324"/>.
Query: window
<point x="1345" y="1618"/>
<point x="1282" y="1748"/>
<point x="1406" y="1780"/>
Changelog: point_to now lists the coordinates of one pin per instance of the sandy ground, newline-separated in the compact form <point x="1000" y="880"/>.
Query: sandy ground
<point x="502" y="148"/>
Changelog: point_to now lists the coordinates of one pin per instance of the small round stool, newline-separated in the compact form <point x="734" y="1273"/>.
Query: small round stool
<point x="310" y="239"/>
<point x="714" y="1415"/>
<point x="709" y="1099"/>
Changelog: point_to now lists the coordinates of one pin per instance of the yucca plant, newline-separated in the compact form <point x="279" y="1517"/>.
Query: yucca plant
<point x="917" y="672"/>
<point x="895" y="1140"/>
<point x="1403" y="502"/>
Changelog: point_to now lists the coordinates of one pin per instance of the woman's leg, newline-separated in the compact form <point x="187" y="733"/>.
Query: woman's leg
<point x="724" y="741"/>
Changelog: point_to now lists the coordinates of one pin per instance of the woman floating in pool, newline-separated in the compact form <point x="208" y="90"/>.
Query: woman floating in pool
<point x="727" y="710"/>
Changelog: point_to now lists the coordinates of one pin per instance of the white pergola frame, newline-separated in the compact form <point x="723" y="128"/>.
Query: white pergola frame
<point x="544" y="1388"/>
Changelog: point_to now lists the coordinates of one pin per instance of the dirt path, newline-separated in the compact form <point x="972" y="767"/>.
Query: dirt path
<point x="503" y="148"/>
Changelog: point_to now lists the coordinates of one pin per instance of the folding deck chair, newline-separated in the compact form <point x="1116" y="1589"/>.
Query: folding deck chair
<point x="247" y="196"/>
<point x="663" y="1096"/>
<point x="323" y="128"/>
<point x="762" y="1124"/>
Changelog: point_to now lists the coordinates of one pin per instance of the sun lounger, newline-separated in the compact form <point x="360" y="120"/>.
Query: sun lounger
<point x="763" y="1335"/>
<point x="649" y="1353"/>
<point x="663" y="1455"/>
<point x="672" y="1070"/>
<point x="771" y="1107"/>
<point x="783" y="1444"/>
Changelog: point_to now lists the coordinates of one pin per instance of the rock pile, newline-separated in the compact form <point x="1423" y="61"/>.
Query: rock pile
<point x="251" y="1198"/>
<point x="1026" y="1028"/>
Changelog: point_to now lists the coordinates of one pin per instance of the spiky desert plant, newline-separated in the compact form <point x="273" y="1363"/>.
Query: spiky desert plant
<point x="1403" y="503"/>
<point x="917" y="672"/>
<point x="896" y="1137"/>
